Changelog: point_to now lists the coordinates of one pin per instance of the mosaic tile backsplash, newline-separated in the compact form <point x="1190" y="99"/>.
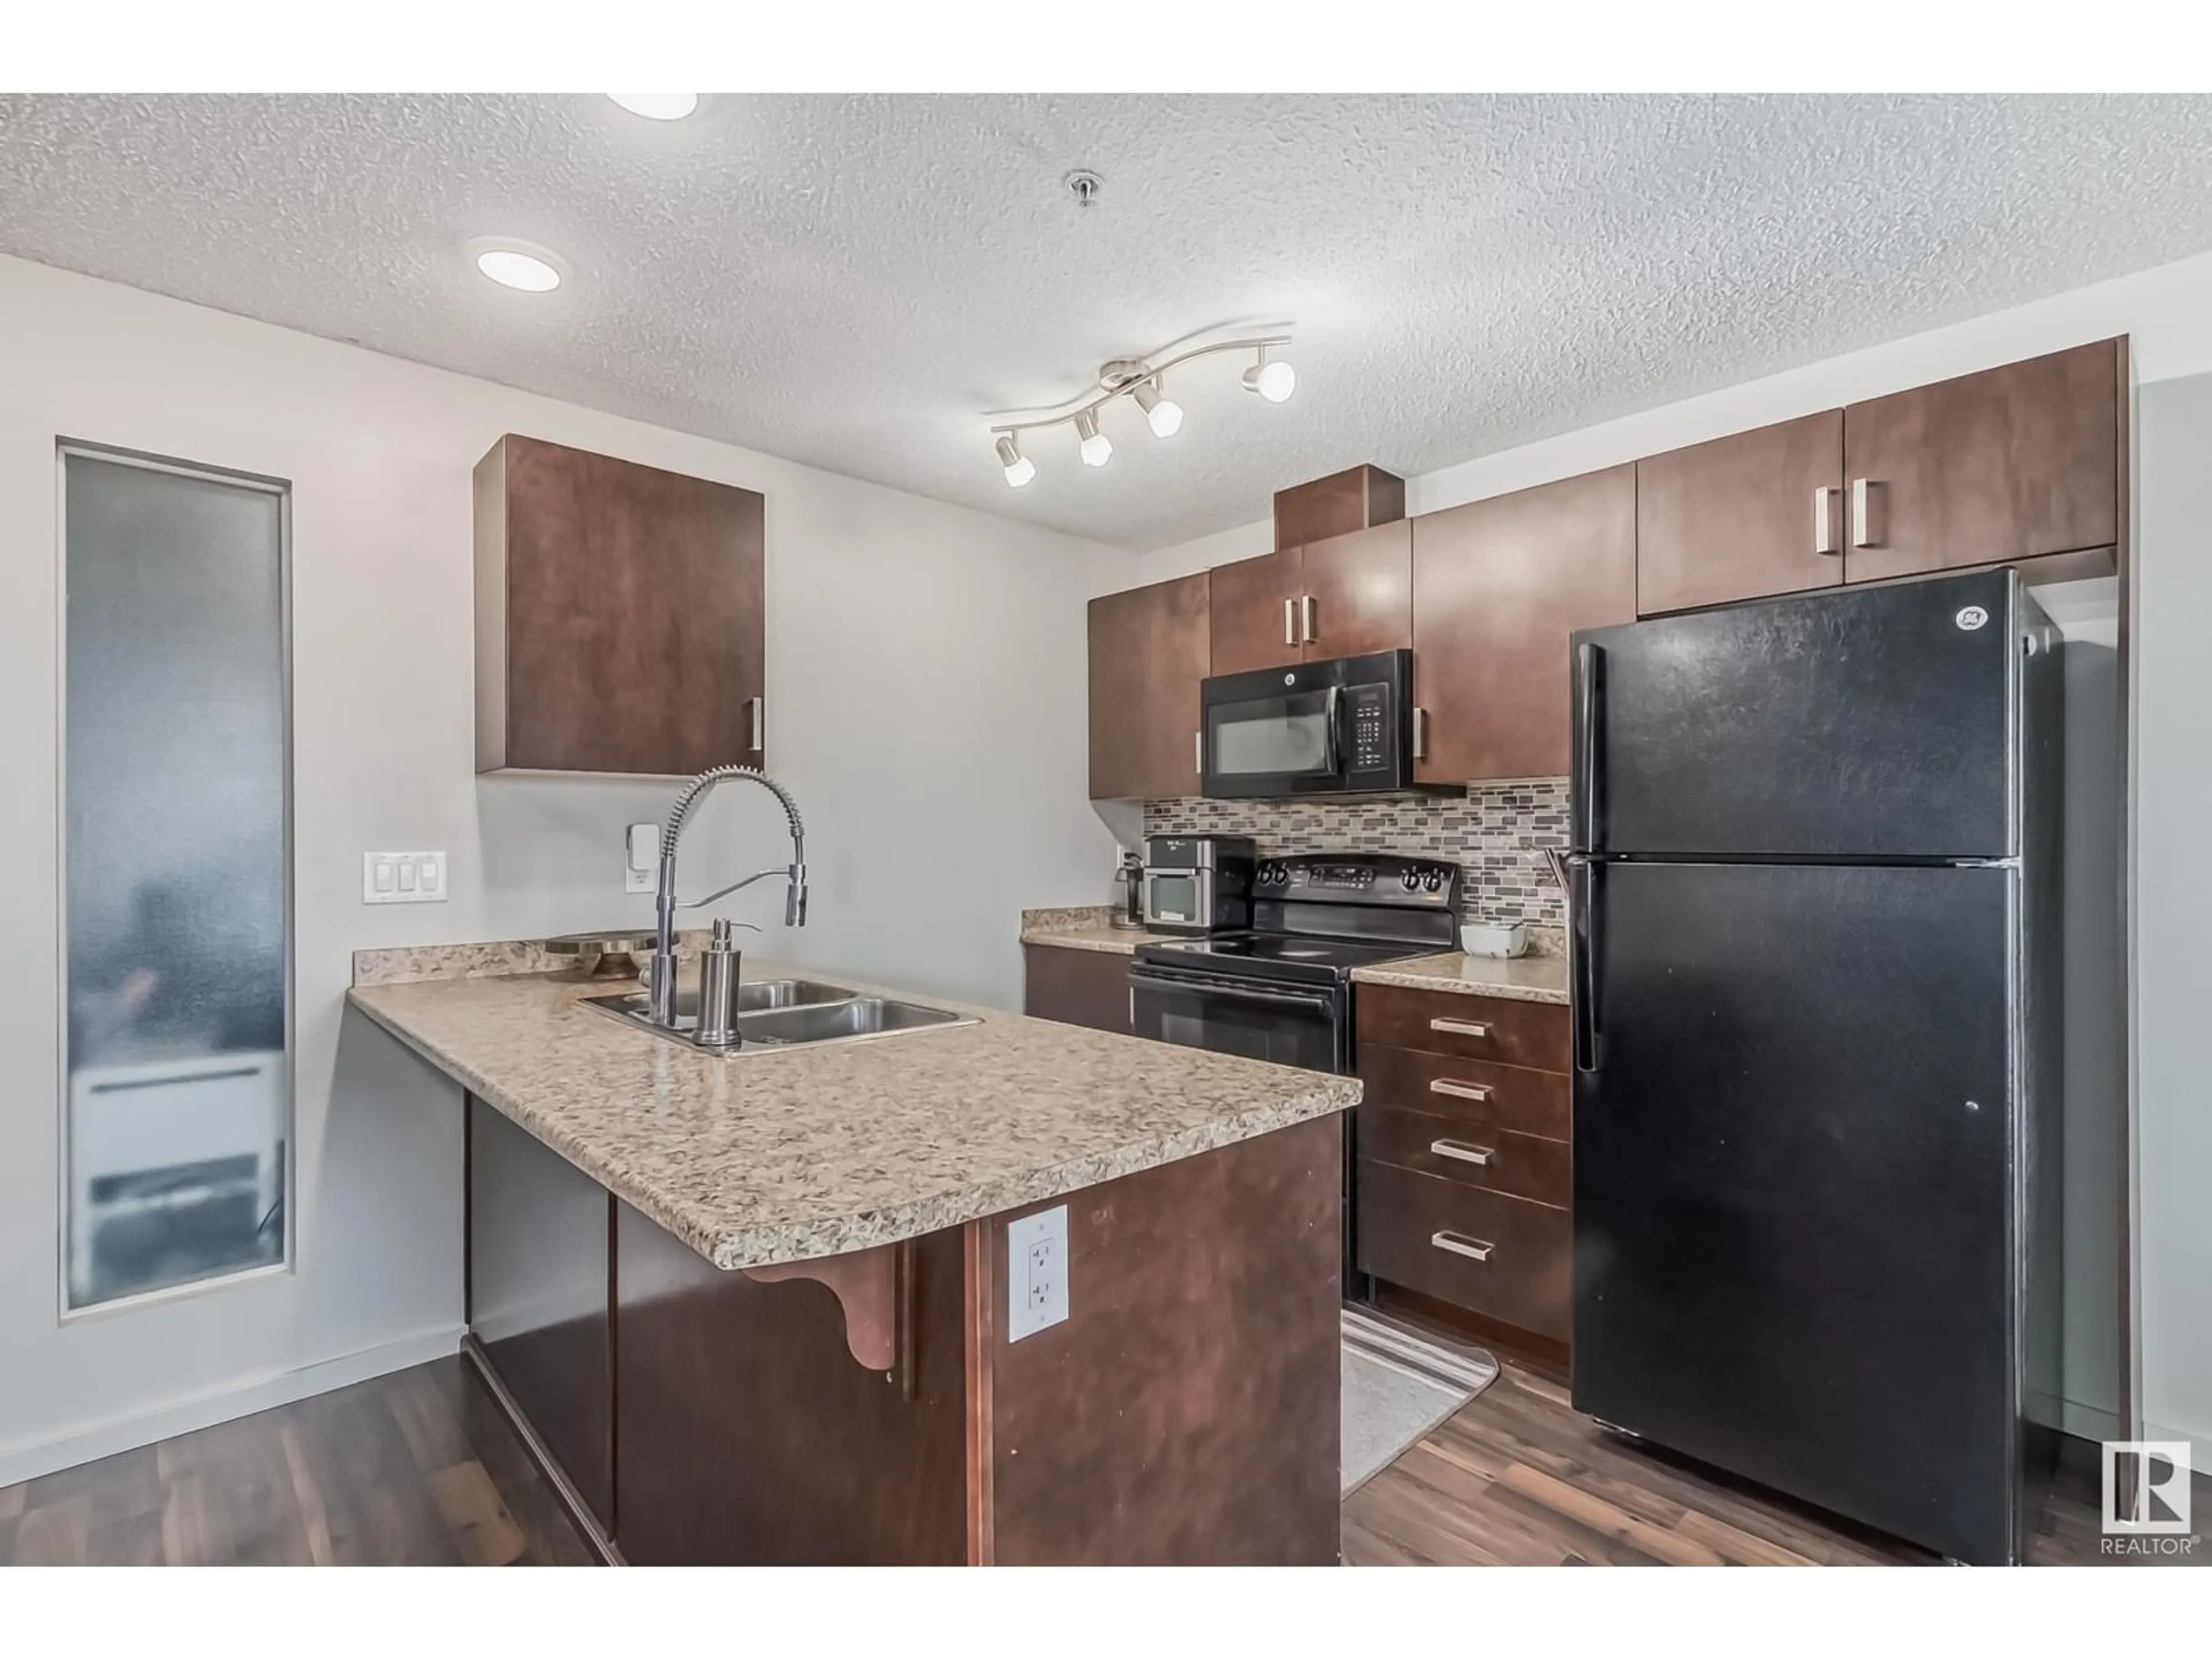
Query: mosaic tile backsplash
<point x="1492" y="832"/>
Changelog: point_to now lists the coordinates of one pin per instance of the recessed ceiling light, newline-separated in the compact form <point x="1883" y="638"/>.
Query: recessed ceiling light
<point x="517" y="265"/>
<point x="658" y="105"/>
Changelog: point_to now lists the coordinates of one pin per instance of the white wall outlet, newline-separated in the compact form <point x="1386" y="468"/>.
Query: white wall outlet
<point x="403" y="877"/>
<point x="640" y="858"/>
<point x="1036" y="1272"/>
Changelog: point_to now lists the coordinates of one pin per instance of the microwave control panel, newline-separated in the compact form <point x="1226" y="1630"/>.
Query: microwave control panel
<point x="1371" y="723"/>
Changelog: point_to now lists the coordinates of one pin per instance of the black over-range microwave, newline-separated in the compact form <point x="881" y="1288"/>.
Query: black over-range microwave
<point x="1342" y="726"/>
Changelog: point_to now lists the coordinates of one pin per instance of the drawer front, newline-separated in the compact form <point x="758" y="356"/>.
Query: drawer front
<point x="1475" y="1094"/>
<point x="1532" y="1034"/>
<point x="1502" y="1256"/>
<point x="1497" y="1160"/>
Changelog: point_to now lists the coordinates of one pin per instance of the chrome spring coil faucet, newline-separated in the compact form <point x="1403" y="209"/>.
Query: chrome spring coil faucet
<point x="664" y="903"/>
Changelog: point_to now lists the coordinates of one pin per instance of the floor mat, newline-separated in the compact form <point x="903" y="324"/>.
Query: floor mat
<point x="1397" y="1388"/>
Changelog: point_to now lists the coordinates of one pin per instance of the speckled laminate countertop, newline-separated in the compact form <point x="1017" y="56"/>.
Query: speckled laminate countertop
<point x="784" y="1155"/>
<point x="1521" y="979"/>
<point x="1085" y="928"/>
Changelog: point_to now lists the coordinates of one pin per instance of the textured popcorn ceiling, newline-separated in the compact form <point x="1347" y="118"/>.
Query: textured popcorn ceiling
<point x="851" y="281"/>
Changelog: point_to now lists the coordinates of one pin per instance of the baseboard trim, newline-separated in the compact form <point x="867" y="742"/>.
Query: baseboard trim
<point x="2086" y="1422"/>
<point x="2200" y="1455"/>
<point x="26" y="1461"/>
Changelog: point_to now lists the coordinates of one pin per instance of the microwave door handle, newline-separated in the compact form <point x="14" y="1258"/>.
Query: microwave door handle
<point x="1332" y="711"/>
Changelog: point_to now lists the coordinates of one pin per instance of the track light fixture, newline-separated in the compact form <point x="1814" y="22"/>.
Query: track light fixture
<point x="1142" y="381"/>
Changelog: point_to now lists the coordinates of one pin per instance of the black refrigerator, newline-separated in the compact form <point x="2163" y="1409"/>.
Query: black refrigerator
<point x="1814" y="911"/>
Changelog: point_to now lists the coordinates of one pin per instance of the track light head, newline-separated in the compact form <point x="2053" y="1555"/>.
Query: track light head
<point x="1272" y="378"/>
<point x="1162" y="414"/>
<point x="1020" y="469"/>
<point x="1097" y="448"/>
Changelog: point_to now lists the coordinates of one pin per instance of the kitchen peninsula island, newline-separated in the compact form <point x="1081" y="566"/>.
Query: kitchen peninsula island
<point x="756" y="1308"/>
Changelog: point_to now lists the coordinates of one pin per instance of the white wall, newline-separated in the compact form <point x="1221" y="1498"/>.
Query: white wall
<point x="926" y="705"/>
<point x="2172" y="948"/>
<point x="2167" y="313"/>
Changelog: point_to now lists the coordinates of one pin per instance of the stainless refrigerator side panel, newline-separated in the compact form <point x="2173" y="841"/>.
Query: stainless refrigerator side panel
<point x="2039" y="1131"/>
<point x="1868" y="724"/>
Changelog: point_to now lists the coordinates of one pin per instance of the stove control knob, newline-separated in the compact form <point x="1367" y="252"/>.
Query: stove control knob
<point x="1410" y="880"/>
<point x="1434" y="880"/>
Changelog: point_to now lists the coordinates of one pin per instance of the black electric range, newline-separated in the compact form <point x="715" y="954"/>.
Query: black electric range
<point x="1281" y="990"/>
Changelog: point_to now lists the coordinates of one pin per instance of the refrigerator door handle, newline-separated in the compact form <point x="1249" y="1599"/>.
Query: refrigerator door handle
<point x="1589" y="733"/>
<point x="1581" y="944"/>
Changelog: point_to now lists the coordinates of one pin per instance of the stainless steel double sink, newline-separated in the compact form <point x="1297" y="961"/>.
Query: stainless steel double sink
<point x="785" y="1014"/>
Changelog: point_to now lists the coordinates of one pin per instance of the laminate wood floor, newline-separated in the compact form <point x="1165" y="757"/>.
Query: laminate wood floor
<point x="416" y="1468"/>
<point x="421" y="1468"/>
<point x="1517" y="1478"/>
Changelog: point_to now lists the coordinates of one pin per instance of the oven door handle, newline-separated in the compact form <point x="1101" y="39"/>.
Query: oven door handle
<point x="1319" y="1002"/>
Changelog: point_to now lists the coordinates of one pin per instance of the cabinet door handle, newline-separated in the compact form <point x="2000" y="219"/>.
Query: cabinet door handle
<point x="1468" y="1027"/>
<point x="1444" y="1085"/>
<point x="1306" y="609"/>
<point x="1290" y="622"/>
<point x="1865" y="532"/>
<point x="1823" y="520"/>
<point x="1461" y="1150"/>
<point x="1420" y="732"/>
<point x="1474" y="1249"/>
<point x="758" y="712"/>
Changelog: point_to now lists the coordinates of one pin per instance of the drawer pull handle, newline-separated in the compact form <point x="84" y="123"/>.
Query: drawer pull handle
<point x="1460" y="1027"/>
<point x="1473" y="1248"/>
<point x="1461" y="1150"/>
<point x="1444" y="1085"/>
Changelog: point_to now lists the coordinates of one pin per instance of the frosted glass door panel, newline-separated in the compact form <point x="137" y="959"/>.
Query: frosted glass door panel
<point x="175" y="825"/>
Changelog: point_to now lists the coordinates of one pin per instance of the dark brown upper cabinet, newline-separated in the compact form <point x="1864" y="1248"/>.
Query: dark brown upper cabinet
<point x="1255" y="607"/>
<point x="1148" y="651"/>
<point x="1339" y="598"/>
<point x="1499" y="585"/>
<point x="1755" y="513"/>
<point x="620" y="620"/>
<point x="2013" y="463"/>
<point x="1356" y="592"/>
<point x="1355" y="498"/>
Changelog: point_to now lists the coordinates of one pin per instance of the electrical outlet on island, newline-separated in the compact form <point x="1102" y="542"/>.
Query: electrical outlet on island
<point x="1036" y="1272"/>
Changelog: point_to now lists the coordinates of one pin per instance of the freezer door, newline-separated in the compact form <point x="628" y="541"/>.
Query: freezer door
<point x="1864" y="723"/>
<point x="1791" y="1181"/>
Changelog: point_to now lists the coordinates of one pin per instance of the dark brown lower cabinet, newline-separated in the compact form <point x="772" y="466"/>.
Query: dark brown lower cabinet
<point x="749" y="1434"/>
<point x="1077" y="986"/>
<point x="1176" y="1416"/>
<point x="538" y="1295"/>
<point x="1464" y="1183"/>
